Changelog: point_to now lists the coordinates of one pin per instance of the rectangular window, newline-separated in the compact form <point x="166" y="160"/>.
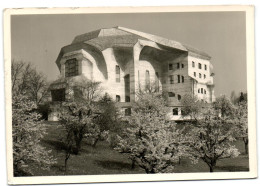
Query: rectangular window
<point x="58" y="95"/>
<point x="179" y="97"/>
<point x="182" y="79"/>
<point x="147" y="79"/>
<point x="179" y="78"/>
<point x="182" y="65"/>
<point x="199" y="65"/>
<point x="71" y="67"/>
<point x="171" y="79"/>
<point x="201" y="90"/>
<point x="178" y="65"/>
<point x="128" y="112"/>
<point x="205" y="66"/>
<point x="157" y="81"/>
<point x="193" y="64"/>
<point x="127" y="98"/>
<point x="170" y="66"/>
<point x="204" y="76"/>
<point x="194" y="73"/>
<point x="117" y="74"/>
<point x="175" y="111"/>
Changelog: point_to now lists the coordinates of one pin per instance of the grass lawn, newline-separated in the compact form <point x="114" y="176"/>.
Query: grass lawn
<point x="103" y="160"/>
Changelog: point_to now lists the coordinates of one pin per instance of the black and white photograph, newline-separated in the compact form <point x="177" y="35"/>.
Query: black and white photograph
<point x="130" y="94"/>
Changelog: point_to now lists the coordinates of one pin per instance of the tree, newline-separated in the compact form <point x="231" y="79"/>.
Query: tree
<point x="78" y="113"/>
<point x="192" y="107"/>
<point x="241" y="121"/>
<point x="27" y="132"/>
<point x="224" y="106"/>
<point x="27" y="80"/>
<point x="151" y="142"/>
<point x="211" y="139"/>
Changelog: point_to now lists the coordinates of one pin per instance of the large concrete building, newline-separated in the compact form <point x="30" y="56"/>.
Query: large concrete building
<point x="125" y="60"/>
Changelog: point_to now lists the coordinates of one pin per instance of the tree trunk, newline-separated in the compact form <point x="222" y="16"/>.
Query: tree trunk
<point x="211" y="169"/>
<point x="246" y="145"/>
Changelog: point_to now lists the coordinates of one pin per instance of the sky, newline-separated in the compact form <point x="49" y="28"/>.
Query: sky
<point x="39" y="38"/>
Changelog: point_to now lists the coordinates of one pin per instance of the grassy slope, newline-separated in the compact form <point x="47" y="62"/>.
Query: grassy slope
<point x="104" y="160"/>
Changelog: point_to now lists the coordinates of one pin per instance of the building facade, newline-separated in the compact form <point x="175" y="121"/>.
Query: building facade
<point x="125" y="61"/>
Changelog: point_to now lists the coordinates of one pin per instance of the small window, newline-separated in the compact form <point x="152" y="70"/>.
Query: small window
<point x="199" y="75"/>
<point x="179" y="78"/>
<point x="171" y="94"/>
<point x="193" y="64"/>
<point x="201" y="90"/>
<point x="205" y="92"/>
<point x="205" y="66"/>
<point x="147" y="79"/>
<point x="171" y="79"/>
<point x="205" y="76"/>
<point x="182" y="79"/>
<point x="175" y="111"/>
<point x="157" y="84"/>
<point x="128" y="112"/>
<point x="178" y="65"/>
<point x="127" y="98"/>
<point x="170" y="66"/>
<point x="198" y="90"/>
<point x="117" y="98"/>
<point x="182" y="65"/>
<point x="117" y="74"/>
<point x="179" y="97"/>
<point x="194" y="73"/>
<point x="199" y="65"/>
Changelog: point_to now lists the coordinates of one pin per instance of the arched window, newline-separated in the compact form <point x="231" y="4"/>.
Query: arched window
<point x="193" y="64"/>
<point x="201" y="90"/>
<point x="171" y="94"/>
<point x="71" y="67"/>
<point x="117" y="98"/>
<point x="199" y="65"/>
<point x="199" y="75"/>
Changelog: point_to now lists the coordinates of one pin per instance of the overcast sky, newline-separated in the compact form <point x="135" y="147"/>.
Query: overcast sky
<point x="39" y="38"/>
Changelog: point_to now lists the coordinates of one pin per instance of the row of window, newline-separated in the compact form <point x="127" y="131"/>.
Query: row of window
<point x="178" y="66"/>
<point x="199" y="65"/>
<point x="172" y="94"/>
<point x="179" y="77"/>
<point x="202" y="91"/>
<point x="200" y="76"/>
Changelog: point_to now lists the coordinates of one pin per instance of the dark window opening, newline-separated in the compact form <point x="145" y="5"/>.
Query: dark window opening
<point x="117" y="98"/>
<point x="194" y="73"/>
<point x="175" y="111"/>
<point x="201" y="90"/>
<point x="199" y="75"/>
<point x="171" y="79"/>
<point x="182" y="65"/>
<point x="182" y="78"/>
<point x="179" y="97"/>
<point x="171" y="94"/>
<point x="198" y="90"/>
<point x="199" y="65"/>
<point x="71" y="67"/>
<point x="58" y="95"/>
<point x="205" y="66"/>
<point x="128" y="112"/>
<point x="178" y="65"/>
<point x="205" y="92"/>
<point x="170" y="66"/>
<point x="193" y="64"/>
<point x="204" y="76"/>
<point x="127" y="98"/>
<point x="147" y="79"/>
<point x="117" y="74"/>
<point x="157" y="81"/>
<point x="179" y="78"/>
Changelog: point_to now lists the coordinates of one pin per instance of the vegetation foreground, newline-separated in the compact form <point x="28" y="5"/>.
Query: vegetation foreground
<point x="103" y="160"/>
